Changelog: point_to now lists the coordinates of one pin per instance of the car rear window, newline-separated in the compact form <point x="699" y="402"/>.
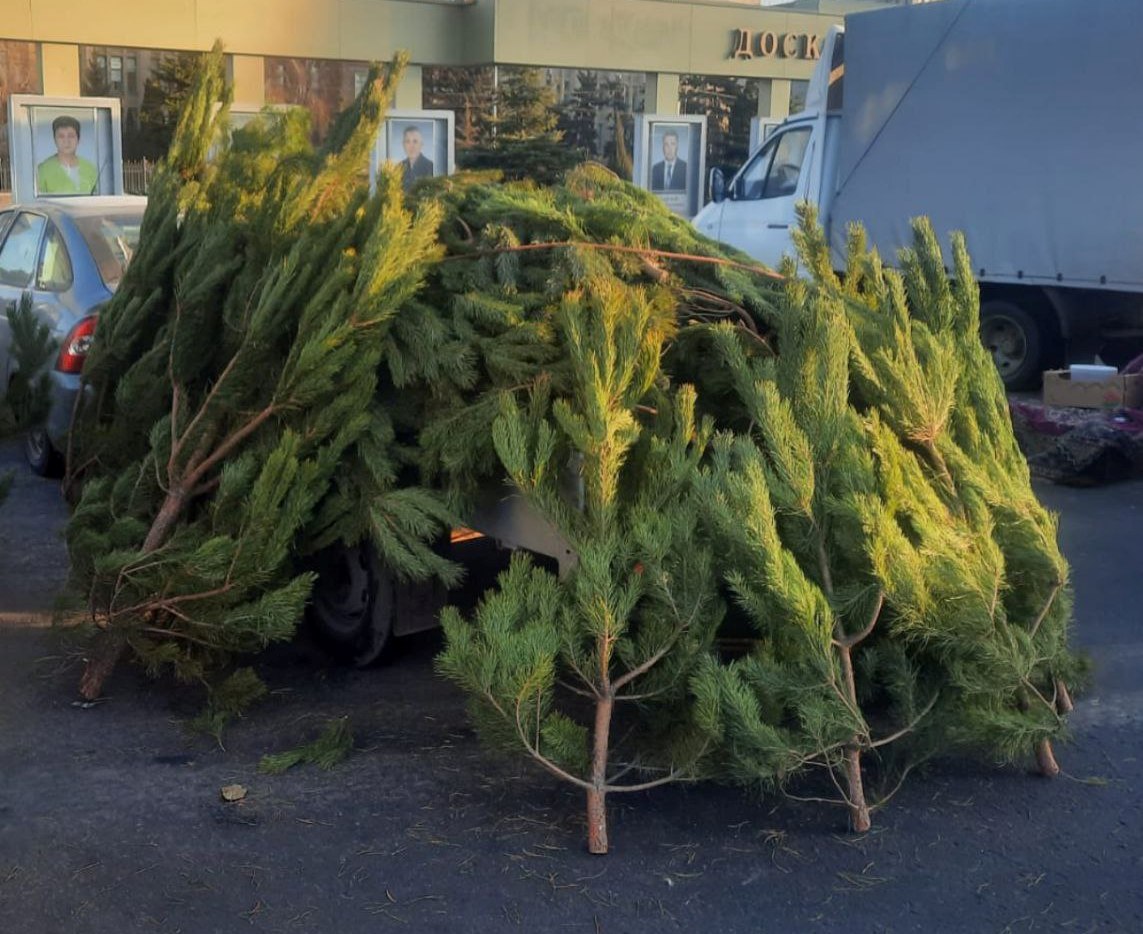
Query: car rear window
<point x="112" y="239"/>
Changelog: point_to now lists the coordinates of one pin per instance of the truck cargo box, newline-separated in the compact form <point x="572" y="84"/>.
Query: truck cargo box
<point x="1019" y="122"/>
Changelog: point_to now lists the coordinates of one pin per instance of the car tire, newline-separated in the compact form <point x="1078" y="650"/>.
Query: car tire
<point x="41" y="455"/>
<point x="352" y="604"/>
<point x="1021" y="344"/>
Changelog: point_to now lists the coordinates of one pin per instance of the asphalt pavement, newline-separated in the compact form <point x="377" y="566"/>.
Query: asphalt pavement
<point x="111" y="818"/>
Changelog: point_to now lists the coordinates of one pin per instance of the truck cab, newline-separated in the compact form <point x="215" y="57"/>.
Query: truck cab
<point x="1020" y="132"/>
<point x="755" y="210"/>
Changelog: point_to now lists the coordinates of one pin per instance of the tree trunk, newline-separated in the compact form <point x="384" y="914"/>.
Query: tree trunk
<point x="165" y="520"/>
<point x="597" y="794"/>
<point x="858" y="809"/>
<point x="596" y="821"/>
<point x="1046" y="760"/>
<point x="107" y="647"/>
<point x="1063" y="698"/>
<point x="109" y="644"/>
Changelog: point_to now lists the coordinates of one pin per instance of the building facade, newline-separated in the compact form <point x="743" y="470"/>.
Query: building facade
<point x="656" y="56"/>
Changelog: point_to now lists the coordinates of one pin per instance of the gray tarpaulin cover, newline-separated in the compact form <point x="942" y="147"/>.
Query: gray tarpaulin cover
<point x="1019" y="122"/>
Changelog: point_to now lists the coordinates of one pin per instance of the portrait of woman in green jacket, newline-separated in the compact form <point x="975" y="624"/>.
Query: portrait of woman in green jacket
<point x="67" y="172"/>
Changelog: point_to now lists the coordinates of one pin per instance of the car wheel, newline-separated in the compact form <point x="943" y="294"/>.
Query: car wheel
<point x="352" y="604"/>
<point x="1019" y="343"/>
<point x="41" y="455"/>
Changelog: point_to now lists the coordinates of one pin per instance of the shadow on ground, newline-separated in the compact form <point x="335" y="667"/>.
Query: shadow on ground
<point x="111" y="819"/>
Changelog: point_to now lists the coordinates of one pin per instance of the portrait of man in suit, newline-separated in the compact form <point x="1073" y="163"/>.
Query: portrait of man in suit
<point x="670" y="173"/>
<point x="416" y="164"/>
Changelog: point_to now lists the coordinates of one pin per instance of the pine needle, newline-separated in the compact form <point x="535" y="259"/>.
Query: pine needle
<point x="229" y="701"/>
<point x="332" y="747"/>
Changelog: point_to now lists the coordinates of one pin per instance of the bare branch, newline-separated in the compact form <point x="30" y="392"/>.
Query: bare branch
<point x="543" y="760"/>
<point x="625" y="679"/>
<point x="202" y="409"/>
<point x="580" y="691"/>
<point x="674" y="775"/>
<point x="619" y="248"/>
<point x="909" y="728"/>
<point x="228" y="444"/>
<point x="1044" y="612"/>
<point x="900" y="782"/>
<point x="848" y="642"/>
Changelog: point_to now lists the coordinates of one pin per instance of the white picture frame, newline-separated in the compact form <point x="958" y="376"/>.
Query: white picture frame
<point x="760" y="130"/>
<point x="421" y="141"/>
<point x="65" y="146"/>
<point x="669" y="159"/>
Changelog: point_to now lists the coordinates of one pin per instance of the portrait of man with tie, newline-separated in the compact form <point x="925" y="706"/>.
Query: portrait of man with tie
<point x="415" y="141"/>
<point x="670" y="173"/>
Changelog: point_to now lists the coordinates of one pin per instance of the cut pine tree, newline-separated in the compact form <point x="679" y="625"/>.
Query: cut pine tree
<point x="550" y="661"/>
<point x="203" y="478"/>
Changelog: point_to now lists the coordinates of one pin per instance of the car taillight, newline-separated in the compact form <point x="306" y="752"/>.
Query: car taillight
<point x="76" y="346"/>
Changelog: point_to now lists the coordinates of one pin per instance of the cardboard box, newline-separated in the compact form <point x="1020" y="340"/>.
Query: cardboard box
<point x="1117" y="392"/>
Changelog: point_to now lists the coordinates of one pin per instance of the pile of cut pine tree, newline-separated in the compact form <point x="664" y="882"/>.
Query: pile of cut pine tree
<point x="292" y="361"/>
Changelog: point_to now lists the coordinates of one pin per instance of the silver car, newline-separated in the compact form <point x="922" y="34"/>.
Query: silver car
<point x="67" y="255"/>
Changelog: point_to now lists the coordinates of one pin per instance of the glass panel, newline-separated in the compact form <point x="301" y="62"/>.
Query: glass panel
<point x="729" y="104"/>
<point x="467" y="91"/>
<point x="322" y="86"/>
<point x="19" y="74"/>
<point x="798" y="92"/>
<point x="782" y="179"/>
<point x="55" y="265"/>
<point x="150" y="83"/>
<point x="22" y="246"/>
<point x="749" y="185"/>
<point x="112" y="239"/>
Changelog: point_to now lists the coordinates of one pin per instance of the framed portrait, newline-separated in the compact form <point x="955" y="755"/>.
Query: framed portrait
<point x="670" y="159"/>
<point x="241" y="115"/>
<point x="670" y="147"/>
<point x="760" y="130"/>
<point x="65" y="146"/>
<point x="419" y="142"/>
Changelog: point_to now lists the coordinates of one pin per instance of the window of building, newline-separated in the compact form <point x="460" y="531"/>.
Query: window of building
<point x="469" y="92"/>
<point x="798" y="91"/>
<point x="151" y="85"/>
<point x="729" y="104"/>
<point x="115" y="73"/>
<point x="324" y="87"/>
<point x="19" y="74"/>
<point x="589" y="102"/>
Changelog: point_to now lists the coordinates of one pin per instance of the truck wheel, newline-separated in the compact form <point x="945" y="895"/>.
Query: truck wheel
<point x="352" y="604"/>
<point x="1016" y="341"/>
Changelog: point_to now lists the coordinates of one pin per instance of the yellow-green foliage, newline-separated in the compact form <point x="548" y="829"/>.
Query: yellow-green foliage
<point x="878" y="502"/>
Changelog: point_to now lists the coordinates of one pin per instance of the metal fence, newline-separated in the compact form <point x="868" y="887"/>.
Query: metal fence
<point x="136" y="176"/>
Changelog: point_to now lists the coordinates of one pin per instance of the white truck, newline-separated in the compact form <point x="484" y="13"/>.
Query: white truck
<point x="1019" y="122"/>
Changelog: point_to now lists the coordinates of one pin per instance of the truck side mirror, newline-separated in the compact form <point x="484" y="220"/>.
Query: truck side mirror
<point x="717" y="186"/>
